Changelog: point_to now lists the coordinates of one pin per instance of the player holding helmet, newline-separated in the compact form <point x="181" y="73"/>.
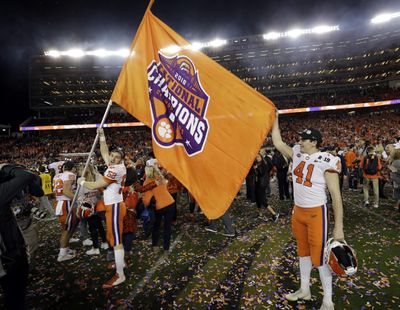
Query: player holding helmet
<point x="312" y="172"/>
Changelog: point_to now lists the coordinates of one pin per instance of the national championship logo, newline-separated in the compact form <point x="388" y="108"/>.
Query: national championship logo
<point x="178" y="104"/>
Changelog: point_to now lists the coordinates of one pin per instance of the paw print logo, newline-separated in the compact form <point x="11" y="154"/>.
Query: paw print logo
<point x="164" y="130"/>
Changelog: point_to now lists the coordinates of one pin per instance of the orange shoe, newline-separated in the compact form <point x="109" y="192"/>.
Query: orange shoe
<point x="115" y="280"/>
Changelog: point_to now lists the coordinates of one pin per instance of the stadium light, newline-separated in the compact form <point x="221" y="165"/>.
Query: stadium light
<point x="196" y="46"/>
<point x="383" y="18"/>
<point x="216" y="43"/>
<point x="99" y="53"/>
<point x="75" y="53"/>
<point x="52" y="53"/>
<point x="295" y="33"/>
<point x="123" y="52"/>
<point x="324" y="29"/>
<point x="272" y="35"/>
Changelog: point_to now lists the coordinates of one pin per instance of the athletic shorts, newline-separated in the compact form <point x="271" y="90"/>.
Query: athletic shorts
<point x="67" y="220"/>
<point x="310" y="228"/>
<point x="115" y="214"/>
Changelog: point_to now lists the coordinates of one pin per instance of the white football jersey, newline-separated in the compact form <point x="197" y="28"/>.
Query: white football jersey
<point x="58" y="184"/>
<point x="56" y="166"/>
<point x="308" y="172"/>
<point x="115" y="175"/>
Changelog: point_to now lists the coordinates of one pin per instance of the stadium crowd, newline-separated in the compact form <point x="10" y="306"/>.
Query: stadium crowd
<point x="342" y="130"/>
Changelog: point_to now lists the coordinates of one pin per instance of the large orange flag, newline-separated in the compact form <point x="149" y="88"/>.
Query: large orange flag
<point x="207" y="125"/>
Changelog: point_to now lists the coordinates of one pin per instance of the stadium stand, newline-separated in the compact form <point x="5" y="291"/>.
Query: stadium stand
<point x="347" y="66"/>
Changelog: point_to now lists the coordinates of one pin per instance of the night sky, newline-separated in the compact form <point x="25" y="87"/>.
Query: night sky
<point x="29" y="28"/>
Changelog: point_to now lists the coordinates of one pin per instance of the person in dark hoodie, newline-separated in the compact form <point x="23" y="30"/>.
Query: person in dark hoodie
<point x="16" y="184"/>
<point x="261" y="182"/>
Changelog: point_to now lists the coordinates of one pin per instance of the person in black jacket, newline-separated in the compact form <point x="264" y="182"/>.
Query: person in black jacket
<point x="15" y="183"/>
<point x="251" y="186"/>
<point x="269" y="167"/>
<point x="281" y="165"/>
<point x="262" y="179"/>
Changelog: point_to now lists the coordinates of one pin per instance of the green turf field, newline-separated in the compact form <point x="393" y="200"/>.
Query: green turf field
<point x="209" y="271"/>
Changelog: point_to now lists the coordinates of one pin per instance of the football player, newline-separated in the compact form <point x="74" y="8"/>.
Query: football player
<point x="63" y="184"/>
<point x="113" y="182"/>
<point x="87" y="201"/>
<point x="312" y="172"/>
<point x="55" y="167"/>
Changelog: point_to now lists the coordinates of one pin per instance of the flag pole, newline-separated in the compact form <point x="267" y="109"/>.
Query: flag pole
<point x="96" y="139"/>
<point x="151" y="2"/>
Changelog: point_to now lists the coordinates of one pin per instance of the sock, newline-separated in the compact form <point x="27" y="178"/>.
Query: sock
<point x="63" y="251"/>
<point x="326" y="279"/>
<point x="119" y="261"/>
<point x="305" y="273"/>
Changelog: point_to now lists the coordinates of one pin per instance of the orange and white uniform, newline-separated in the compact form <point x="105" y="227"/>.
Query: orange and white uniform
<point x="114" y="202"/>
<point x="310" y="213"/>
<point x="63" y="203"/>
<point x="57" y="166"/>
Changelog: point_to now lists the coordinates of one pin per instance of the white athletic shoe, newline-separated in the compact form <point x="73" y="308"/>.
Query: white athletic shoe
<point x="299" y="294"/>
<point x="93" y="251"/>
<point x="104" y="245"/>
<point x="73" y="240"/>
<point x="87" y="242"/>
<point x="326" y="306"/>
<point x="65" y="257"/>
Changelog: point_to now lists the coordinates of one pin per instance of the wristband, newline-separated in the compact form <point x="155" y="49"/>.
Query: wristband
<point x="102" y="139"/>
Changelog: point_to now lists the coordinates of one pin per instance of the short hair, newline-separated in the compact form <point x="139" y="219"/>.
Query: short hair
<point x="68" y="165"/>
<point x="118" y="150"/>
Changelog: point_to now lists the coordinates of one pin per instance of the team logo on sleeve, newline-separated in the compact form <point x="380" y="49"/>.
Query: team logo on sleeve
<point x="178" y="104"/>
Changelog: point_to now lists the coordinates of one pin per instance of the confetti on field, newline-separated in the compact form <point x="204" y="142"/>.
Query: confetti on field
<point x="253" y="270"/>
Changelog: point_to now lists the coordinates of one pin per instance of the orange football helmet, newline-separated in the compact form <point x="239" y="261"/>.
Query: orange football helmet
<point x="340" y="257"/>
<point x="84" y="210"/>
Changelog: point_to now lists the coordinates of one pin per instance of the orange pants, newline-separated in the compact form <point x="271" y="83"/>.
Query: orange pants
<point x="67" y="221"/>
<point x="114" y="221"/>
<point x="310" y="228"/>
